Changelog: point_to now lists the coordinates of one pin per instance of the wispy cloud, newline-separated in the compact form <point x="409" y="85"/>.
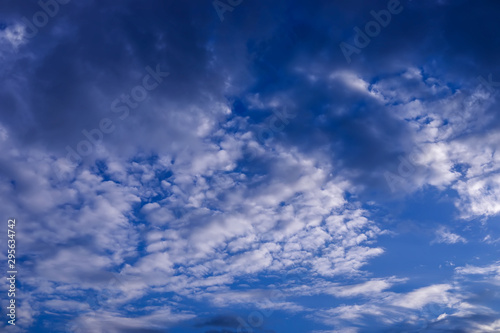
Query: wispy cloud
<point x="443" y="235"/>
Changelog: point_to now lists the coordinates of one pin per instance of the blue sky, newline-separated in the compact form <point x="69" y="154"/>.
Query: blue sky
<point x="247" y="166"/>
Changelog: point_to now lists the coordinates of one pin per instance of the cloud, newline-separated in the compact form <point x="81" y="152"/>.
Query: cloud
<point x="367" y="288"/>
<point x="419" y="298"/>
<point x="445" y="236"/>
<point x="14" y="35"/>
<point x="249" y="168"/>
<point x="112" y="322"/>
<point x="484" y="270"/>
<point x="420" y="309"/>
<point x="220" y="321"/>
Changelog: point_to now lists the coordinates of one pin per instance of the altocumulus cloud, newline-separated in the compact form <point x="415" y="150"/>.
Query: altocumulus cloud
<point x="263" y="165"/>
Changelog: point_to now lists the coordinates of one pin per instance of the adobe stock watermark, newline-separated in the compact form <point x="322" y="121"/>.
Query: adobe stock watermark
<point x="489" y="84"/>
<point x="273" y="125"/>
<point x="289" y="35"/>
<point x="225" y="6"/>
<point x="372" y="29"/>
<point x="122" y="106"/>
<point x="256" y="319"/>
<point x="50" y="9"/>
<point x="276" y="123"/>
<point x="116" y="282"/>
<point x="95" y="302"/>
<point x="406" y="168"/>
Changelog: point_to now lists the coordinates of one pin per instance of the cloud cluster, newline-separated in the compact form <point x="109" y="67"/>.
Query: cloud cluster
<point x="249" y="169"/>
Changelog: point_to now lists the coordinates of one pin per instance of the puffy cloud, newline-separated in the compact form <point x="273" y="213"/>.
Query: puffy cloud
<point x="248" y="166"/>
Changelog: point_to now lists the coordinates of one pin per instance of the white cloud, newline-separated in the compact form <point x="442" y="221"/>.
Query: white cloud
<point x="209" y="222"/>
<point x="394" y="309"/>
<point x="453" y="149"/>
<point x="109" y="322"/>
<point x="372" y="288"/>
<point x="443" y="235"/>
<point x="66" y="305"/>
<point x="13" y="35"/>
<point x="419" y="298"/>
<point x="366" y="288"/>
<point x="478" y="270"/>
